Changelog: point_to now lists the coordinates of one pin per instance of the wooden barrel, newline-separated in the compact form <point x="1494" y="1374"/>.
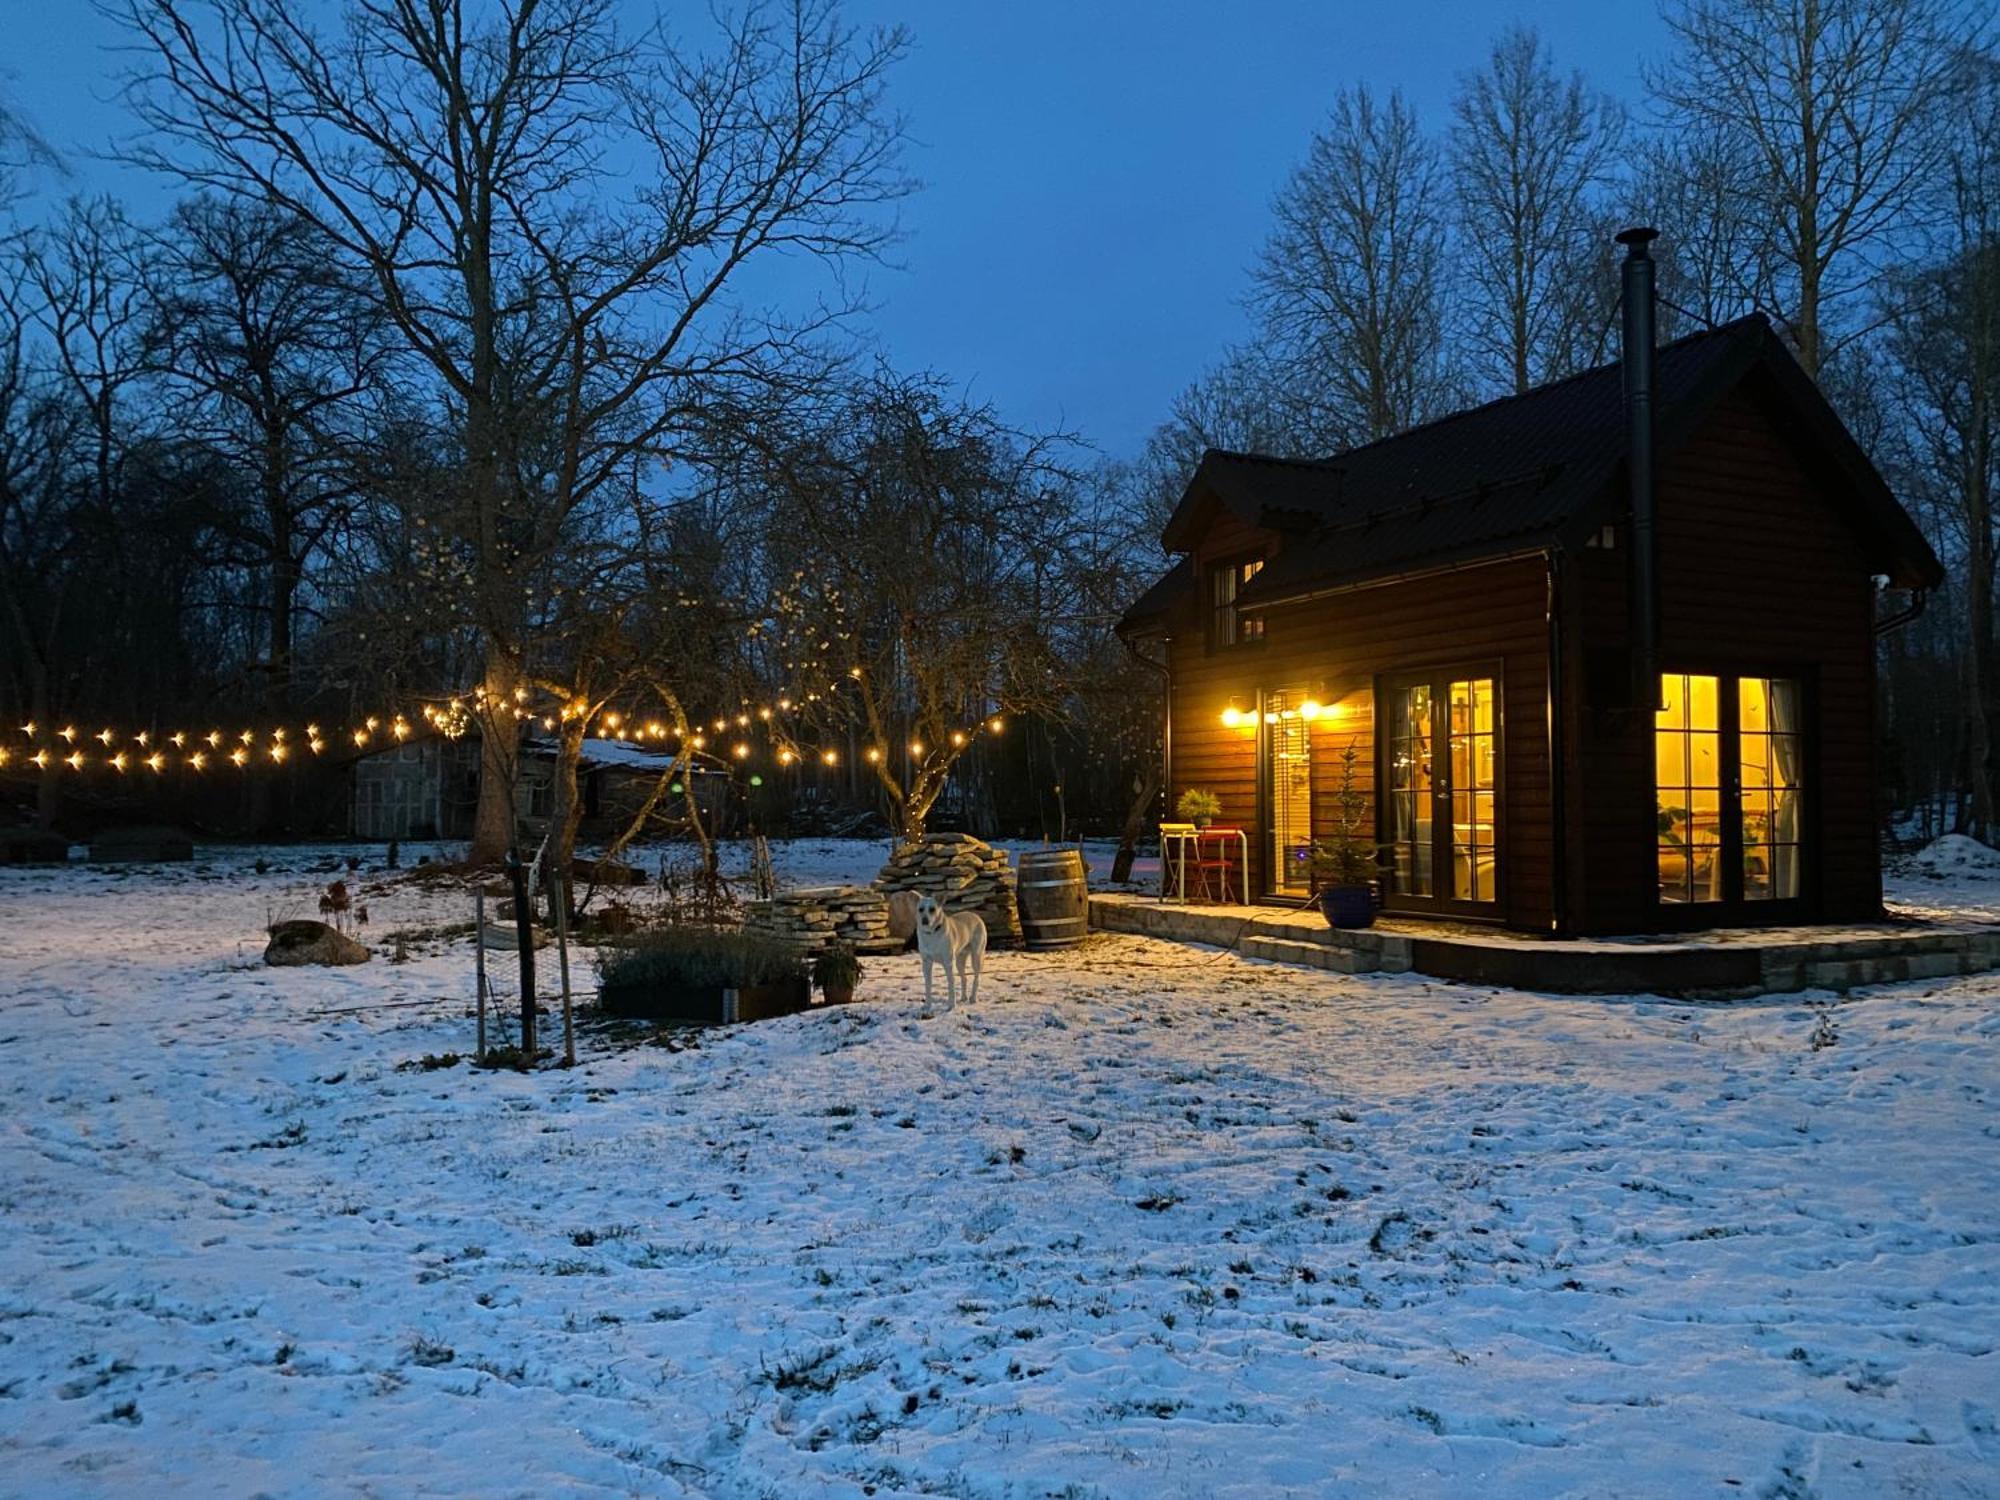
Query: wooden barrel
<point x="1054" y="908"/>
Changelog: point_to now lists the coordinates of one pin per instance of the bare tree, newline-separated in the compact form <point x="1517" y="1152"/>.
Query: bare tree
<point x="1350" y="284"/>
<point x="1944" y="350"/>
<point x="1532" y="152"/>
<point x="551" y="215"/>
<point x="1827" y="112"/>
<point x="267" y="347"/>
<point x="22" y="149"/>
<point x="922" y="554"/>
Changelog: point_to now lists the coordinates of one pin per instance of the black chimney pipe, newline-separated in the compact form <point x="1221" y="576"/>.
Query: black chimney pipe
<point x="1636" y="356"/>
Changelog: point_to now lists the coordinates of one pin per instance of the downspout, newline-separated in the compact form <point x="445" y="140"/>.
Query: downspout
<point x="1636" y="355"/>
<point x="1558" y="809"/>
<point x="1890" y="623"/>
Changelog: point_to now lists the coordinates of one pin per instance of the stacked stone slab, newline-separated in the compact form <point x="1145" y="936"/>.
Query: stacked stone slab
<point x="812" y="917"/>
<point x="964" y="874"/>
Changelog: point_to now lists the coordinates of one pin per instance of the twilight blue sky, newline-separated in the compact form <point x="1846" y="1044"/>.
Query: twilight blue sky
<point x="1096" y="173"/>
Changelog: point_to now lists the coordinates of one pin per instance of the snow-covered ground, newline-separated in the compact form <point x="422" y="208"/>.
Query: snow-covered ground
<point x="1146" y="1221"/>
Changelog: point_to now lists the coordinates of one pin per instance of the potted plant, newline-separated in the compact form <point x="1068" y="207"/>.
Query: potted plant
<point x="1198" y="807"/>
<point x="702" y="976"/>
<point x="1344" y="861"/>
<point x="836" y="971"/>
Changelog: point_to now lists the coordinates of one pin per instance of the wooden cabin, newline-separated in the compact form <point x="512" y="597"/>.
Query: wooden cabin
<point x="1603" y="654"/>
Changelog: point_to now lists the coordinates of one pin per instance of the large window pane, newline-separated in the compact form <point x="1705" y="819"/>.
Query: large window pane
<point x="1687" y="759"/>
<point x="1410" y="789"/>
<point x="1771" y="739"/>
<point x="1473" y="855"/>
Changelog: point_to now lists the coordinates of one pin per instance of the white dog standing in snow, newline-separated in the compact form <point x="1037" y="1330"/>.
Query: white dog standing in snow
<point x="958" y="941"/>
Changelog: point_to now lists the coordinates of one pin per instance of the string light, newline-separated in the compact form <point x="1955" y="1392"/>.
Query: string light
<point x="274" y="744"/>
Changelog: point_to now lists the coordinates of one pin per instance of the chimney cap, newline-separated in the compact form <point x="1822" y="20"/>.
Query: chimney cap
<point x="1638" y="238"/>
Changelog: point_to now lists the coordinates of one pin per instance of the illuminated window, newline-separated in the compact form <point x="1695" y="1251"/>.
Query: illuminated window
<point x="1770" y="750"/>
<point x="1728" y="789"/>
<point x="1225" y="582"/>
<point x="1687" y="751"/>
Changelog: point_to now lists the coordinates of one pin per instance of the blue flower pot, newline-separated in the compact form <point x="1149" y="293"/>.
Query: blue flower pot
<point x="1347" y="906"/>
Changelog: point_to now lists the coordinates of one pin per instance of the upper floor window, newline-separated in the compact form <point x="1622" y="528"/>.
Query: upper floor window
<point x="1226" y="627"/>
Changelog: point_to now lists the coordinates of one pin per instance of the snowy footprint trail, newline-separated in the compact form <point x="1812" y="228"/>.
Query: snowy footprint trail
<point x="1146" y="1221"/>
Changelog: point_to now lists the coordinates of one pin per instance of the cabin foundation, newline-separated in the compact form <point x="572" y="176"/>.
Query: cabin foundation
<point x="1724" y="964"/>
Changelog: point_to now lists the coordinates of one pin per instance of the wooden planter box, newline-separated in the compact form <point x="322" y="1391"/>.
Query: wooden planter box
<point x="710" y="1007"/>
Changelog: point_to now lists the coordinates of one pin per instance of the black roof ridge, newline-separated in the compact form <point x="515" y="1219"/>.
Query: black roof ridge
<point x="1336" y="460"/>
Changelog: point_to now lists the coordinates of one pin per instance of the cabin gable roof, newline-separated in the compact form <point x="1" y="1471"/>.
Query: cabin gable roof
<point x="1523" y="473"/>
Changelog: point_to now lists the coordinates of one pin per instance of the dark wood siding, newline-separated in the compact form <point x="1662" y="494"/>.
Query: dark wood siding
<point x="1494" y="613"/>
<point x="1757" y="575"/>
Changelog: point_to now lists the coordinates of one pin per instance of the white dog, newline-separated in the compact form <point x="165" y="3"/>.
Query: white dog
<point x="958" y="941"/>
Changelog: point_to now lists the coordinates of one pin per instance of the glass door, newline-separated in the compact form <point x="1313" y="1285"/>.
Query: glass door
<point x="1287" y="740"/>
<point x="1440" y="757"/>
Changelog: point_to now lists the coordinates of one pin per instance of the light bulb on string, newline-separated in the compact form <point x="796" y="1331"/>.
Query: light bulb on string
<point x="74" y="760"/>
<point x="156" y="762"/>
<point x="69" y="733"/>
<point x="41" y="759"/>
<point x="199" y="760"/>
<point x="105" y="737"/>
<point x="239" y="757"/>
<point x="118" y="762"/>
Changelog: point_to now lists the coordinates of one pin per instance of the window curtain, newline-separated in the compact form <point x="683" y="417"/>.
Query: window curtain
<point x="1786" y="740"/>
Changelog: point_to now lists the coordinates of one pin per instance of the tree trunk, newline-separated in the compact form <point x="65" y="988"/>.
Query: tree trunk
<point x="1979" y="661"/>
<point x="568" y="811"/>
<point x="1135" y="823"/>
<point x="499" y="760"/>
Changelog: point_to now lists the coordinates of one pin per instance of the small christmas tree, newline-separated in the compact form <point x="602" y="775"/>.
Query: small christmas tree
<point x="1346" y="856"/>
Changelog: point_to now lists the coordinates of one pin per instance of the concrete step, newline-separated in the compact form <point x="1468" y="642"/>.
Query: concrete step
<point x="1308" y="955"/>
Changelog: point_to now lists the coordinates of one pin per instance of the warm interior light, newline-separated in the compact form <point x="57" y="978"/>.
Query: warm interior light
<point x="1310" y="709"/>
<point x="1232" y="715"/>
